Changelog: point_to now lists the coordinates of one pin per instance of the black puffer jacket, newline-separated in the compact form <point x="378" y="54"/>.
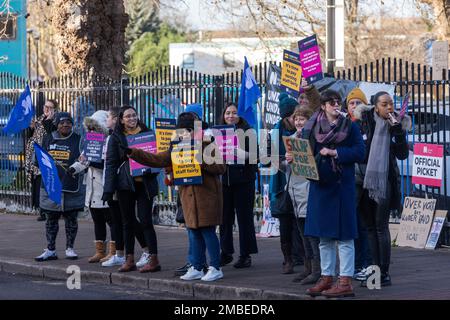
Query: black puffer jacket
<point x="241" y="173"/>
<point x="117" y="168"/>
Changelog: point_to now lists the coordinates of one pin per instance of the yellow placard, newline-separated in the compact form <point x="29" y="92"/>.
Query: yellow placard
<point x="163" y="138"/>
<point x="291" y="71"/>
<point x="186" y="168"/>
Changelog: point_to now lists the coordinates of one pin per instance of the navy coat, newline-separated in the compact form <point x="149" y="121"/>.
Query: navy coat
<point x="331" y="209"/>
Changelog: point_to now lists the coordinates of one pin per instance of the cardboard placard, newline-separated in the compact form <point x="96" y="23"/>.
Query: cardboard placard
<point x="227" y="141"/>
<point x="427" y="164"/>
<point x="94" y="146"/>
<point x="303" y="164"/>
<point x="415" y="223"/>
<point x="438" y="223"/>
<point x="164" y="130"/>
<point x="186" y="168"/>
<point x="310" y="59"/>
<point x="291" y="73"/>
<point x="145" y="141"/>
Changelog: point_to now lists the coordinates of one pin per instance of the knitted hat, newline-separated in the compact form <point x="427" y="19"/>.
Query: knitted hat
<point x="286" y="105"/>
<point x="61" y="116"/>
<point x="186" y="120"/>
<point x="196" y="108"/>
<point x="357" y="93"/>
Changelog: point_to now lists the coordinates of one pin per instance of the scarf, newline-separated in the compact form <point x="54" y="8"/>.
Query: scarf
<point x="330" y="134"/>
<point x="376" y="178"/>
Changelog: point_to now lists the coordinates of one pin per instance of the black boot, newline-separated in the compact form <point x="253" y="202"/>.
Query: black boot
<point x="288" y="264"/>
<point x="41" y="217"/>
<point x="243" y="262"/>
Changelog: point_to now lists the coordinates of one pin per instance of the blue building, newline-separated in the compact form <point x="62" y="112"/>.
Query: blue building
<point x="13" y="40"/>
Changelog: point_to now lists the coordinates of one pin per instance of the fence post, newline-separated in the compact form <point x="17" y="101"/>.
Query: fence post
<point x="219" y="93"/>
<point x="124" y="90"/>
<point x="40" y="98"/>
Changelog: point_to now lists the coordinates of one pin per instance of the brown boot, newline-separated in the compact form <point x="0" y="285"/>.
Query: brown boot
<point x="324" y="283"/>
<point x="152" y="265"/>
<point x="315" y="273"/>
<point x="342" y="288"/>
<point x="99" y="252"/>
<point x="288" y="264"/>
<point x="129" y="264"/>
<point x="112" y="251"/>
<point x="306" y="272"/>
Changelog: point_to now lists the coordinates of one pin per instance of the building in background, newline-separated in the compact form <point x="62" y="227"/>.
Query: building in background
<point x="13" y="38"/>
<point x="222" y="54"/>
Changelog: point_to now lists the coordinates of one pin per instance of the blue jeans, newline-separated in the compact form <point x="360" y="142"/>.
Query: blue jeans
<point x="328" y="257"/>
<point x="199" y="240"/>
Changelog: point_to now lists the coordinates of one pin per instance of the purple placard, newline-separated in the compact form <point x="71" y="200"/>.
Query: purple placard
<point x="93" y="146"/>
<point x="145" y="141"/>
<point x="226" y="140"/>
<point x="310" y="59"/>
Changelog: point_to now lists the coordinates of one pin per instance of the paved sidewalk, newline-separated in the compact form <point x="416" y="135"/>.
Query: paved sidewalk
<point x="416" y="274"/>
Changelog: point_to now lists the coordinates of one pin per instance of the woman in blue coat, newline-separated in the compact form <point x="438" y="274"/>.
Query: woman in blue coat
<point x="331" y="215"/>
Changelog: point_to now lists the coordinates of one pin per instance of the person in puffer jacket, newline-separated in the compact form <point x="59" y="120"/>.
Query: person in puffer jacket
<point x="93" y="179"/>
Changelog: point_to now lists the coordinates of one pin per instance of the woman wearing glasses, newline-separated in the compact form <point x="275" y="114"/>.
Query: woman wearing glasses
<point x="331" y="216"/>
<point x="39" y="128"/>
<point x="131" y="190"/>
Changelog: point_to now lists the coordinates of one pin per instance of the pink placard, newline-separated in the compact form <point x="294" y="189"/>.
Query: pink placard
<point x="428" y="164"/>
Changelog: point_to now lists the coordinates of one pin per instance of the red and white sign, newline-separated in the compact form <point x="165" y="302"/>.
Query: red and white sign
<point x="427" y="165"/>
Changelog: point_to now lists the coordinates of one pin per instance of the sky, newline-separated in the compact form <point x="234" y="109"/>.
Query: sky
<point x="202" y="16"/>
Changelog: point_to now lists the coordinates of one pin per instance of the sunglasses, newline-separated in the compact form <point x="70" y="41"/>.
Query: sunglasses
<point x="334" y="102"/>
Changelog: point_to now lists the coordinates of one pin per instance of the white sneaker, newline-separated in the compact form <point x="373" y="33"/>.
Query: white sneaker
<point x="362" y="275"/>
<point x="114" y="261"/>
<point x="47" y="255"/>
<point x="143" y="260"/>
<point x="213" y="274"/>
<point x="192" y="274"/>
<point x="71" y="254"/>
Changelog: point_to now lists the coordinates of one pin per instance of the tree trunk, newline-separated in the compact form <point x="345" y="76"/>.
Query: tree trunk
<point x="90" y="36"/>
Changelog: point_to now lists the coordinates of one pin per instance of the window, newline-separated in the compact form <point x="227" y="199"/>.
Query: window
<point x="8" y="27"/>
<point x="188" y="60"/>
<point x="228" y="60"/>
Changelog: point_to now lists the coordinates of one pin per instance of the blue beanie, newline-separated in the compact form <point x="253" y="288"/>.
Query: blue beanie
<point x="196" y="108"/>
<point x="286" y="105"/>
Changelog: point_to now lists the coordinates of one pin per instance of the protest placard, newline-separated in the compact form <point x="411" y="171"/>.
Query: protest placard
<point x="227" y="141"/>
<point x="415" y="223"/>
<point x="93" y="146"/>
<point x="303" y="163"/>
<point x="273" y="88"/>
<point x="145" y="141"/>
<point x="427" y="164"/>
<point x="270" y="226"/>
<point x="438" y="223"/>
<point x="291" y="73"/>
<point x="310" y="59"/>
<point x="185" y="166"/>
<point x="164" y="131"/>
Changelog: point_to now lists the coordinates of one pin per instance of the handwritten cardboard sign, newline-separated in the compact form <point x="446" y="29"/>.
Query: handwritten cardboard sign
<point x="304" y="164"/>
<point x="438" y="223"/>
<point x="415" y="223"/>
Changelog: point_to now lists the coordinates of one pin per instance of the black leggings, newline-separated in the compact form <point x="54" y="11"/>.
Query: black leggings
<point x="127" y="203"/>
<point x="101" y="217"/>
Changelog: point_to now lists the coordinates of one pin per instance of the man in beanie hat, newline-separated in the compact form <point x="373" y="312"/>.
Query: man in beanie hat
<point x="354" y="99"/>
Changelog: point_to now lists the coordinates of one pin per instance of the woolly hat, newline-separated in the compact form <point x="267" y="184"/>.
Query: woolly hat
<point x="60" y="116"/>
<point x="186" y="120"/>
<point x="196" y="108"/>
<point x="97" y="121"/>
<point x="357" y="93"/>
<point x="286" y="105"/>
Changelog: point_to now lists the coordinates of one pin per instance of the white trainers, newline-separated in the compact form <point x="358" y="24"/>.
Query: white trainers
<point x="143" y="260"/>
<point x="114" y="261"/>
<point x="213" y="274"/>
<point x="47" y="255"/>
<point x="362" y="275"/>
<point x="71" y="254"/>
<point x="192" y="274"/>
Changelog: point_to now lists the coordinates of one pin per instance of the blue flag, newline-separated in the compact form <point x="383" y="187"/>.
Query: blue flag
<point x="248" y="96"/>
<point x="49" y="173"/>
<point x="21" y="115"/>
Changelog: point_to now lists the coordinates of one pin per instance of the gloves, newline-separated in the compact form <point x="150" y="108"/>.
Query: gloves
<point x="125" y="149"/>
<point x="397" y="130"/>
<point x="71" y="171"/>
<point x="107" y="196"/>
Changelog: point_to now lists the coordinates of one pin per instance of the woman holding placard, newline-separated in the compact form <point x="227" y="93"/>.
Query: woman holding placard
<point x="337" y="144"/>
<point x="131" y="190"/>
<point x="238" y="180"/>
<point x="385" y="138"/>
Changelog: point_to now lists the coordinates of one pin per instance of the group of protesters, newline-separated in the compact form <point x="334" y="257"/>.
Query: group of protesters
<point x="344" y="214"/>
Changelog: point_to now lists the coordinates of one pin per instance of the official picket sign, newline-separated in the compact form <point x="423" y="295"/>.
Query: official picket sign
<point x="227" y="141"/>
<point x="415" y="223"/>
<point x="303" y="163"/>
<point x="310" y="59"/>
<point x="427" y="164"/>
<point x="291" y="73"/>
<point x="185" y="166"/>
<point x="145" y="141"/>
<point x="164" y="131"/>
<point x="93" y="146"/>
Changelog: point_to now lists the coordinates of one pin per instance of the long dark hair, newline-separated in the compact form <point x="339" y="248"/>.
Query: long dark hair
<point x="120" y="127"/>
<point x="241" y="121"/>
